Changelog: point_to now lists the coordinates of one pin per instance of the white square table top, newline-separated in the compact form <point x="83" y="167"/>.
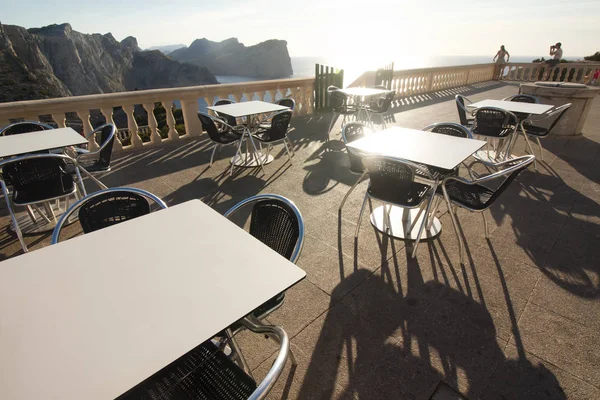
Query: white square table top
<point x="364" y="92"/>
<point x="93" y="316"/>
<point x="246" y="108"/>
<point x="30" y="142"/>
<point x="422" y="147"/>
<point x="514" y="106"/>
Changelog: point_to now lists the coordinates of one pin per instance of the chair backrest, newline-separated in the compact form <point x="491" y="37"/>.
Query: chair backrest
<point x="557" y="113"/>
<point x="338" y="101"/>
<point x="514" y="167"/>
<point x="280" y="123"/>
<point x="106" y="135"/>
<point x="522" y="98"/>
<point x="230" y="120"/>
<point x="38" y="176"/>
<point x="450" y="129"/>
<point x="331" y="88"/>
<point x="350" y="132"/>
<point x="382" y="103"/>
<point x="287" y="102"/>
<point x="462" y="108"/>
<point x="275" y="221"/>
<point x="24" y="127"/>
<point x="208" y="123"/>
<point x="390" y="177"/>
<point x="494" y="122"/>
<point x="108" y="207"/>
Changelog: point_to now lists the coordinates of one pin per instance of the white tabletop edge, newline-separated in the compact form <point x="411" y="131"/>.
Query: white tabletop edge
<point x="246" y="108"/>
<point x="418" y="146"/>
<point x="93" y="380"/>
<point x="30" y="142"/>
<point x="513" y="106"/>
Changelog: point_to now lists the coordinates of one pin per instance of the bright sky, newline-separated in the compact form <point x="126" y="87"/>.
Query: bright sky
<point x="373" y="29"/>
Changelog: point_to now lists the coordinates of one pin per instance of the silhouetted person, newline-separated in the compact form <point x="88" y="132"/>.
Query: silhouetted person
<point x="500" y="55"/>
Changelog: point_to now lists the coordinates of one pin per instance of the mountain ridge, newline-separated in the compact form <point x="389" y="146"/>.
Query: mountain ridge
<point x="57" y="61"/>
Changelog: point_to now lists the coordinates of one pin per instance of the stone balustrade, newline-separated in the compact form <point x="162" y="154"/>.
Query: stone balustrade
<point x="412" y="82"/>
<point x="563" y="72"/>
<point x="60" y="109"/>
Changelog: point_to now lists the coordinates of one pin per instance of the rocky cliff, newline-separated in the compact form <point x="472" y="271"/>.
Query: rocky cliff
<point x="57" y="61"/>
<point x="268" y="59"/>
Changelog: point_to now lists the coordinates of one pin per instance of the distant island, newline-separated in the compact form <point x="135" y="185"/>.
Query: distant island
<point x="269" y="59"/>
<point x="167" y="49"/>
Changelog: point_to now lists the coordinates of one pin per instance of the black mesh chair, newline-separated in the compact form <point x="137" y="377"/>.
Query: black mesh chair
<point x="522" y="98"/>
<point x="97" y="161"/>
<point x="474" y="196"/>
<point x="108" y="207"/>
<point x="206" y="373"/>
<point x="228" y="119"/>
<point x="350" y="132"/>
<point x="24" y="127"/>
<point x="340" y="105"/>
<point x="226" y="135"/>
<point x="277" y="131"/>
<point x="36" y="179"/>
<point x="464" y="113"/>
<point x="497" y="127"/>
<point x="392" y="181"/>
<point x="380" y="105"/>
<point x="529" y="128"/>
<point x="265" y="123"/>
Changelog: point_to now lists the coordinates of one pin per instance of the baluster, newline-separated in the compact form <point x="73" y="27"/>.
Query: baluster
<point x="132" y="125"/>
<point x="108" y="114"/>
<point x="84" y="115"/>
<point x="189" y="110"/>
<point x="261" y="95"/>
<point x="308" y="99"/>
<point x="60" y="120"/>
<point x="152" y="124"/>
<point x="173" y="135"/>
<point x="235" y="97"/>
<point x="271" y="94"/>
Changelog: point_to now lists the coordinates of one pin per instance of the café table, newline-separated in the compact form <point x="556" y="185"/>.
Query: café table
<point x="251" y="110"/>
<point x="31" y="142"/>
<point x="520" y="109"/>
<point x="514" y="106"/>
<point x="432" y="149"/>
<point x="93" y="316"/>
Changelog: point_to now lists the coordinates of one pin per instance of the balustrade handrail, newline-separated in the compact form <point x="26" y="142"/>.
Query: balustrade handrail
<point x="299" y="88"/>
<point x="575" y="72"/>
<point x="47" y="106"/>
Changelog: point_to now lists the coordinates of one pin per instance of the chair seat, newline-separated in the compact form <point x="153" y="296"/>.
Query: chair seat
<point x="261" y="311"/>
<point x="535" y="130"/>
<point x="436" y="172"/>
<point x="412" y="197"/>
<point x="475" y="197"/>
<point x="230" y="136"/>
<point x="204" y="373"/>
<point x="503" y="133"/>
<point x="264" y="135"/>
<point x="40" y="192"/>
<point x="347" y="111"/>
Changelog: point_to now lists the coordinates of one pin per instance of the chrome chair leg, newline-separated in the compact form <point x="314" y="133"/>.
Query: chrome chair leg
<point x="362" y="209"/>
<point x="333" y="118"/>
<point x="13" y="218"/>
<point x="238" y="352"/>
<point x="351" y="189"/>
<point x="291" y="147"/>
<point x="530" y="150"/>
<point x="414" y="252"/>
<point x="287" y="150"/>
<point x="541" y="148"/>
<point x="485" y="224"/>
<point x="454" y="225"/>
<point x="438" y="201"/>
<point x="213" y="155"/>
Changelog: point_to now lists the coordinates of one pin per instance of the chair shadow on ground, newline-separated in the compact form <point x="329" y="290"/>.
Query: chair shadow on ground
<point x="384" y="342"/>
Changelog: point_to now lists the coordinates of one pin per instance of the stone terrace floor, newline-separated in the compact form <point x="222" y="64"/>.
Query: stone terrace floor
<point x="520" y="319"/>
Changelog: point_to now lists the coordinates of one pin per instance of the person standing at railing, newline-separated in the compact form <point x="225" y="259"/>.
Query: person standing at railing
<point x="499" y="57"/>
